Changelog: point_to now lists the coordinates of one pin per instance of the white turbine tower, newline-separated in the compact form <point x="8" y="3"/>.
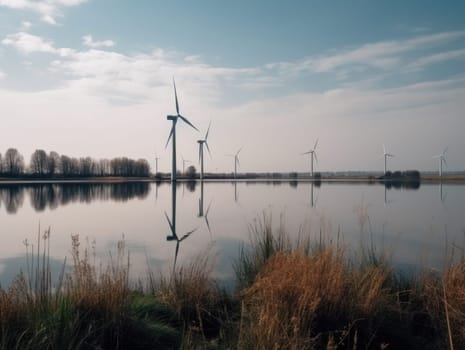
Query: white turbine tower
<point x="442" y="159"/>
<point x="201" y="143"/>
<point x="236" y="161"/>
<point x="312" y="153"/>
<point x="174" y="119"/>
<point x="386" y="155"/>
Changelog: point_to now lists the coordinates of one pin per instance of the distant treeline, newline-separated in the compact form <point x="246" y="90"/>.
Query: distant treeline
<point x="43" y="165"/>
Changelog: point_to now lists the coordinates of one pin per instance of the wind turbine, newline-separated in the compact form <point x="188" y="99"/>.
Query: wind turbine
<point x="184" y="161"/>
<point x="174" y="119"/>
<point x="386" y="155"/>
<point x="156" y="164"/>
<point x="312" y="153"/>
<point x="236" y="160"/>
<point x="442" y="158"/>
<point x="201" y="143"/>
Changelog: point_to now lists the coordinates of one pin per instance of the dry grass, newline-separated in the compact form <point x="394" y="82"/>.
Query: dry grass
<point x="202" y="307"/>
<point x="106" y="290"/>
<point x="298" y="301"/>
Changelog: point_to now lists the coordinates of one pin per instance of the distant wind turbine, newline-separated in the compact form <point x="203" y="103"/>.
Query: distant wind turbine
<point x="442" y="159"/>
<point x="184" y="161"/>
<point x="312" y="153"/>
<point x="156" y="163"/>
<point x="174" y="119"/>
<point x="386" y="155"/>
<point x="201" y="143"/>
<point x="236" y="160"/>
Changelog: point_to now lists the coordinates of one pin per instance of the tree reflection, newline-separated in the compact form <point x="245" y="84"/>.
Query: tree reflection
<point x="12" y="198"/>
<point x="51" y="196"/>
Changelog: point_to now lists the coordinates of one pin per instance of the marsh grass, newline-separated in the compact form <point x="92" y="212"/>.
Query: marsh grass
<point x="88" y="308"/>
<point x="203" y="308"/>
<point x="312" y="292"/>
<point x="317" y="294"/>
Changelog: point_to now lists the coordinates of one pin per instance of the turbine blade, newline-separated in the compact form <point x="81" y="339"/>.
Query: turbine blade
<point x="444" y="160"/>
<point x="176" y="97"/>
<point x="316" y="144"/>
<point x="306" y="153"/>
<point x="237" y="160"/>
<point x="171" y="225"/>
<point x="445" y="150"/>
<point x="187" y="122"/>
<point x="316" y="158"/>
<point x="208" y="208"/>
<point x="169" y="137"/>
<point x="208" y="148"/>
<point x="384" y="149"/>
<point x="240" y="149"/>
<point x="187" y="235"/>
<point x="208" y="130"/>
<point x="200" y="152"/>
<point x="208" y="224"/>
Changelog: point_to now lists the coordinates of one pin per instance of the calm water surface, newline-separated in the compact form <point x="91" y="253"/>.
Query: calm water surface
<point x="157" y="220"/>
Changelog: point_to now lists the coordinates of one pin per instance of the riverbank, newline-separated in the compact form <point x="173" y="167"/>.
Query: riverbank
<point x="457" y="178"/>
<point x="313" y="293"/>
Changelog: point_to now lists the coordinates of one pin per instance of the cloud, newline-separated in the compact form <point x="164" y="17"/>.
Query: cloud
<point x="383" y="55"/>
<point x="49" y="10"/>
<point x="137" y="77"/>
<point x="25" y="25"/>
<point x="88" y="41"/>
<point x="437" y="58"/>
<point x="28" y="43"/>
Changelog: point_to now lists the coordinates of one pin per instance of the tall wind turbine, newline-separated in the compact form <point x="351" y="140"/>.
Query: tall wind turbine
<point x="312" y="153"/>
<point x="201" y="143"/>
<point x="442" y="159"/>
<point x="174" y="119"/>
<point x="236" y="161"/>
<point x="386" y="155"/>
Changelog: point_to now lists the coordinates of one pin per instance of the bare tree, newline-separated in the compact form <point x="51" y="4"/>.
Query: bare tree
<point x="53" y="162"/>
<point x="39" y="160"/>
<point x="14" y="162"/>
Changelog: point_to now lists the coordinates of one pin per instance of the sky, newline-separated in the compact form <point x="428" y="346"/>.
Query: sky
<point x="95" y="78"/>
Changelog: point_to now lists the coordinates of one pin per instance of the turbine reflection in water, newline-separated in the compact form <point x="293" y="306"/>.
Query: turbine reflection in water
<point x="173" y="236"/>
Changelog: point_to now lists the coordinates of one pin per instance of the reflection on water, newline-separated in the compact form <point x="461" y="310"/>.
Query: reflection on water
<point x="173" y="236"/>
<point x="50" y="196"/>
<point x="411" y="218"/>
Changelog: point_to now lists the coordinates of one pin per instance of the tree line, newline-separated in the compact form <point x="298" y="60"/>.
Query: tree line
<point x="43" y="164"/>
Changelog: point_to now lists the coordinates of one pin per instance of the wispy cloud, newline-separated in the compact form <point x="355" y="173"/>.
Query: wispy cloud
<point x="25" y="25"/>
<point x="28" y="43"/>
<point x="437" y="58"/>
<point x="49" y="10"/>
<point x="382" y="55"/>
<point x="87" y="40"/>
<point x="135" y="77"/>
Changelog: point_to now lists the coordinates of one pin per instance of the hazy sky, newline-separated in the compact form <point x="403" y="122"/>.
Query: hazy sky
<point x="94" y="78"/>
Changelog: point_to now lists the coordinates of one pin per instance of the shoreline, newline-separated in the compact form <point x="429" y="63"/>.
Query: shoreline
<point x="451" y="179"/>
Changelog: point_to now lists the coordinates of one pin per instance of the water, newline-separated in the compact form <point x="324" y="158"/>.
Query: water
<point x="414" y="225"/>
